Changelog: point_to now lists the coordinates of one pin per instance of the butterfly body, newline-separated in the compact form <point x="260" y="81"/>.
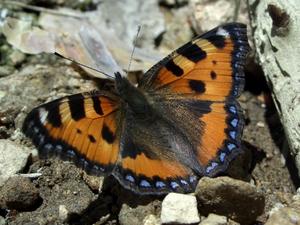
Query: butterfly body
<point x="181" y="121"/>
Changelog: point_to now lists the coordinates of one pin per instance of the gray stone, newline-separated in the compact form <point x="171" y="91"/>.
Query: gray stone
<point x="134" y="215"/>
<point x="2" y="221"/>
<point x="232" y="198"/>
<point x="276" y="31"/>
<point x="6" y="70"/>
<point x="151" y="220"/>
<point x="13" y="159"/>
<point x="20" y="194"/>
<point x="179" y="209"/>
<point x="284" y="216"/>
<point x="214" y="219"/>
<point x="208" y="14"/>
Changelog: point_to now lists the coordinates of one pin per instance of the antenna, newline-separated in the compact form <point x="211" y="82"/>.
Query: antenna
<point x="134" y="45"/>
<point x="78" y="63"/>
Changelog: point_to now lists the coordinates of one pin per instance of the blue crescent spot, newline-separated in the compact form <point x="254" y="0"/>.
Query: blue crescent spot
<point x="234" y="122"/>
<point x="159" y="184"/>
<point x="232" y="134"/>
<point x="231" y="146"/>
<point x="222" y="156"/>
<point x="211" y="167"/>
<point x="174" y="184"/>
<point x="192" y="179"/>
<point x="36" y="130"/>
<point x="42" y="139"/>
<point x="129" y="178"/>
<point x="144" y="183"/>
<point x="183" y="182"/>
<point x="70" y="153"/>
<point x="48" y="146"/>
<point x="232" y="109"/>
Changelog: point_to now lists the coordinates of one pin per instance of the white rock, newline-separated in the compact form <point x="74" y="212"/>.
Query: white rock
<point x="151" y="220"/>
<point x="2" y="221"/>
<point x="179" y="209"/>
<point x="13" y="158"/>
<point x="63" y="212"/>
<point x="214" y="219"/>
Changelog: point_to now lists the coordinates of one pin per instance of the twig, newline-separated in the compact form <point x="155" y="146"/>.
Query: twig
<point x="42" y="9"/>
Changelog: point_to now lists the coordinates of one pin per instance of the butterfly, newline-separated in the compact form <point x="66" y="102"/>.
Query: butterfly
<point x="179" y="123"/>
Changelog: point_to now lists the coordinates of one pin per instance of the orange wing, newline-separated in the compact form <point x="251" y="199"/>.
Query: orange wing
<point x="82" y="128"/>
<point x="208" y="70"/>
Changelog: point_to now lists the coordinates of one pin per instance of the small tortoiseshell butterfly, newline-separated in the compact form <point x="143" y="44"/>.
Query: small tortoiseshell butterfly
<point x="181" y="121"/>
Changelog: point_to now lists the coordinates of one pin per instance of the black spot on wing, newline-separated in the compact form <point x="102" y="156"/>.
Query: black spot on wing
<point x="192" y="52"/>
<point x="175" y="69"/>
<point x="217" y="40"/>
<point x="91" y="138"/>
<point x="79" y="131"/>
<point x="197" y="86"/>
<point x="213" y="75"/>
<point x="76" y="105"/>
<point x="97" y="105"/>
<point x="54" y="117"/>
<point x="107" y="134"/>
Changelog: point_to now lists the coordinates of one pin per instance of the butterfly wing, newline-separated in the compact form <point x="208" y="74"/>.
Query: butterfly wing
<point x="194" y="91"/>
<point x="82" y="128"/>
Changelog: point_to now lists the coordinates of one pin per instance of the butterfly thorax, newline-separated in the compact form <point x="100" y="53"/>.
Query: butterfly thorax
<point x="132" y="96"/>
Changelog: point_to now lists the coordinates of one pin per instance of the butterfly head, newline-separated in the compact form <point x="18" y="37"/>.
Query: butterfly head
<point x="131" y="95"/>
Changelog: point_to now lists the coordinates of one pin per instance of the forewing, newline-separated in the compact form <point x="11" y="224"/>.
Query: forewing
<point x="81" y="128"/>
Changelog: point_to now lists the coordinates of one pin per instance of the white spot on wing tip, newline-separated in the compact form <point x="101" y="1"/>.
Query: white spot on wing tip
<point x="43" y="113"/>
<point x="222" y="32"/>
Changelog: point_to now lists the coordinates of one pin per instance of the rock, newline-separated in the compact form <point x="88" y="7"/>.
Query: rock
<point x="284" y="216"/>
<point x="13" y="159"/>
<point x="214" y="219"/>
<point x="20" y="194"/>
<point x="275" y="31"/>
<point x="178" y="31"/>
<point x="151" y="220"/>
<point x="133" y="215"/>
<point x="132" y="14"/>
<point x="232" y="198"/>
<point x="17" y="57"/>
<point x="2" y="221"/>
<point x="179" y="209"/>
<point x="6" y="70"/>
<point x="223" y="11"/>
<point x="95" y="183"/>
<point x="63" y="212"/>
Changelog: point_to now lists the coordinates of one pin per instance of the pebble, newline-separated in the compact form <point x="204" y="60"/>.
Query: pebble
<point x="151" y="220"/>
<point x="2" y="221"/>
<point x="134" y="215"/>
<point x="20" y="194"/>
<point x="179" y="209"/>
<point x="6" y="70"/>
<point x="214" y="219"/>
<point x="63" y="212"/>
<point x="238" y="200"/>
<point x="13" y="159"/>
<point x="284" y="216"/>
